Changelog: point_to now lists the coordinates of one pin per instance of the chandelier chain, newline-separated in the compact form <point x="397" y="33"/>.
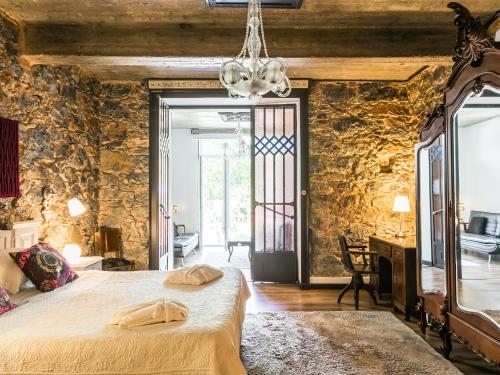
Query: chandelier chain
<point x="243" y="51"/>
<point x="262" y="28"/>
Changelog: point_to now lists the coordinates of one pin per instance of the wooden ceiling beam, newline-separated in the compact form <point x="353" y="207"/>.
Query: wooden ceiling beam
<point x="138" y="68"/>
<point x="199" y="41"/>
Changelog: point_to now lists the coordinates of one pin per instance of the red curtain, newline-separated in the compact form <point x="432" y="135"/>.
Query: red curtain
<point x="9" y="158"/>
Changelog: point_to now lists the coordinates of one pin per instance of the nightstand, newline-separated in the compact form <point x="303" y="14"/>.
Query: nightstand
<point x="87" y="263"/>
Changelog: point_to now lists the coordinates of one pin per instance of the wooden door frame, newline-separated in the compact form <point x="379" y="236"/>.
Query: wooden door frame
<point x="213" y="90"/>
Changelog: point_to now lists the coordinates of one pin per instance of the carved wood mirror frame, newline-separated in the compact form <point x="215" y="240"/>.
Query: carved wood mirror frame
<point x="468" y="76"/>
<point x="432" y="303"/>
<point x="477" y="63"/>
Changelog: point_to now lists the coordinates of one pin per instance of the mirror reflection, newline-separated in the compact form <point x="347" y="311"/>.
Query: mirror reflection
<point x="431" y="190"/>
<point x="477" y="163"/>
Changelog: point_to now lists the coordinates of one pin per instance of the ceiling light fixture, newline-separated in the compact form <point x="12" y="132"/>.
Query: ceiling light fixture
<point x="249" y="75"/>
<point x="234" y="116"/>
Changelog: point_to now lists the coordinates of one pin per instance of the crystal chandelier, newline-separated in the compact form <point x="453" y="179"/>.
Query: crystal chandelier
<point x="242" y="145"/>
<point x="249" y="75"/>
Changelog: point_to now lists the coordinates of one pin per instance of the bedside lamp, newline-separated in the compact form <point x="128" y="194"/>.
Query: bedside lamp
<point x="72" y="252"/>
<point x="401" y="205"/>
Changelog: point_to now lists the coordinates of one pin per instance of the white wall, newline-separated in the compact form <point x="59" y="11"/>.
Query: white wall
<point x="185" y="179"/>
<point x="479" y="157"/>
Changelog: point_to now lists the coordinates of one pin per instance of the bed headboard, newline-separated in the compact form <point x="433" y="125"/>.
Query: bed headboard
<point x="22" y="234"/>
<point x="5" y="239"/>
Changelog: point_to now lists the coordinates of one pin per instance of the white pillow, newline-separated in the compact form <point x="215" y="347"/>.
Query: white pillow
<point x="193" y="275"/>
<point x="11" y="276"/>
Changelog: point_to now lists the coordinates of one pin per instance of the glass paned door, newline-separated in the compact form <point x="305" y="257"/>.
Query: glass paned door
<point x="437" y="201"/>
<point x="238" y="205"/>
<point x="226" y="191"/>
<point x="274" y="255"/>
<point x="165" y="258"/>
<point x="212" y="200"/>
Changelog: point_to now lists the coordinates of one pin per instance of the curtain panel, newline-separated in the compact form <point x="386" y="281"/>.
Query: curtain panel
<point x="9" y="158"/>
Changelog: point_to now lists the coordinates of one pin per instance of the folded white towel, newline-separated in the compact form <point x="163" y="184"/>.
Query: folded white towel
<point x="156" y="311"/>
<point x="193" y="275"/>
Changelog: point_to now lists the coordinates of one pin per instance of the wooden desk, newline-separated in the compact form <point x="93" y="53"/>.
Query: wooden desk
<point x="398" y="271"/>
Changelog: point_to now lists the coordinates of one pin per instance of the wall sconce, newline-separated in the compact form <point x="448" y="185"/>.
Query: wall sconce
<point x="47" y="195"/>
<point x="75" y="207"/>
<point x="175" y="209"/>
<point x="401" y="205"/>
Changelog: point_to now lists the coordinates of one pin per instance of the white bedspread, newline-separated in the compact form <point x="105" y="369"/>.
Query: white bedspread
<point x="66" y="331"/>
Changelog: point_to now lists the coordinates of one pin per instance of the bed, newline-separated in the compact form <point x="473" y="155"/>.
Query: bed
<point x="66" y="331"/>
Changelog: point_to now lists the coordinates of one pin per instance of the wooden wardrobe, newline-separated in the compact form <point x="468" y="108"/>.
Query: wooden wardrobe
<point x="458" y="196"/>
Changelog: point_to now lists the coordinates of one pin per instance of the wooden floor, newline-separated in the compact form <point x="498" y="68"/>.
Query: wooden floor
<point x="274" y="297"/>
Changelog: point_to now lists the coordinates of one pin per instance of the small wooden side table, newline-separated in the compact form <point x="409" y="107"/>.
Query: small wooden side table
<point x="87" y="263"/>
<point x="231" y="244"/>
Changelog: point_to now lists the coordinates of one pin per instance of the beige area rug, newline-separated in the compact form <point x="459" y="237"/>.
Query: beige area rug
<point x="334" y="343"/>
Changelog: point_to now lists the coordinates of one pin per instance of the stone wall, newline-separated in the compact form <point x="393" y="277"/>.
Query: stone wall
<point x="90" y="140"/>
<point x="124" y="169"/>
<point x="59" y="140"/>
<point x="424" y="91"/>
<point x="362" y="137"/>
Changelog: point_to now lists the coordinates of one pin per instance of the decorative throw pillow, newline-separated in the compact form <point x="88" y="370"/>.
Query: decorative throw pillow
<point x="5" y="304"/>
<point x="45" y="267"/>
<point x="11" y="277"/>
<point x="477" y="225"/>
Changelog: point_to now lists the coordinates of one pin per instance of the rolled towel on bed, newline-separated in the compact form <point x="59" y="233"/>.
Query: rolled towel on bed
<point x="193" y="275"/>
<point x="156" y="311"/>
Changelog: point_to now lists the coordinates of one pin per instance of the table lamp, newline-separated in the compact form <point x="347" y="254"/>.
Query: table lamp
<point x="461" y="208"/>
<point x="401" y="205"/>
<point x="73" y="250"/>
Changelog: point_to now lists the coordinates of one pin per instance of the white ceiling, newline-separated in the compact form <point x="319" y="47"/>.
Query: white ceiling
<point x="471" y="116"/>
<point x="188" y="118"/>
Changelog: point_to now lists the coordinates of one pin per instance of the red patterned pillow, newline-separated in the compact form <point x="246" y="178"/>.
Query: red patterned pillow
<point x="44" y="266"/>
<point x="5" y="304"/>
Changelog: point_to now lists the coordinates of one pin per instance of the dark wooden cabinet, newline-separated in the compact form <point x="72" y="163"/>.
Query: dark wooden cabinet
<point x="397" y="264"/>
<point x="457" y="284"/>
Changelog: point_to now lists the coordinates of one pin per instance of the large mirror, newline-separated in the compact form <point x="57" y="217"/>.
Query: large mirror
<point x="431" y="216"/>
<point x="477" y="182"/>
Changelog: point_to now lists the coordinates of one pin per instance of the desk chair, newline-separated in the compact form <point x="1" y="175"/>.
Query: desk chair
<point x="357" y="270"/>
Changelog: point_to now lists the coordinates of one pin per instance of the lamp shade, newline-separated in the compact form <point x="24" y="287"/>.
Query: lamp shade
<point x="75" y="207"/>
<point x="72" y="252"/>
<point x="401" y="204"/>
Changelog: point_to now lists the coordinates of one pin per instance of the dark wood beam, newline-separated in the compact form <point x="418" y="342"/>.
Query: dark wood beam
<point x="330" y="68"/>
<point x="203" y="41"/>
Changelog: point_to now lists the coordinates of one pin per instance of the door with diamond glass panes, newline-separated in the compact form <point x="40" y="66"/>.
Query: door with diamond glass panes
<point x="274" y="166"/>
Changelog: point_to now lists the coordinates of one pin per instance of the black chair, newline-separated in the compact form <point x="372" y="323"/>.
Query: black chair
<point x="357" y="270"/>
